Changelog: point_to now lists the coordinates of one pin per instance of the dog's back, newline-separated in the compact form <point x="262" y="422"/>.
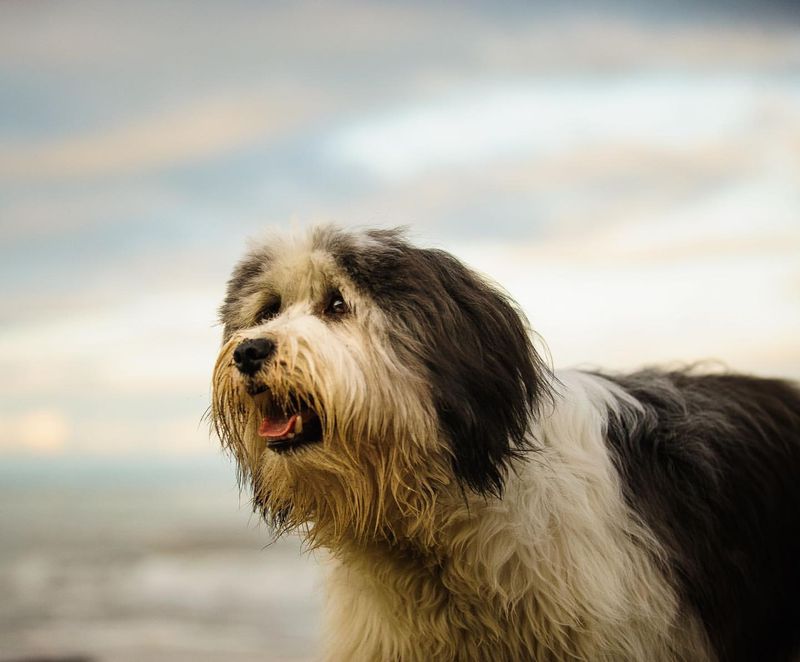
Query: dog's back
<point x="712" y="464"/>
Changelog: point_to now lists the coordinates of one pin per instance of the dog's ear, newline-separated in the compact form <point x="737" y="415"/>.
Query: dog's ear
<point x="485" y="375"/>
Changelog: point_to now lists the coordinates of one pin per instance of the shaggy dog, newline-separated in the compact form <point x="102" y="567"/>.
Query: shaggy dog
<point x="389" y="403"/>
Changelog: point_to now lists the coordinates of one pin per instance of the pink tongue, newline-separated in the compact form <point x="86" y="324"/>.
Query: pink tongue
<point x="275" y="429"/>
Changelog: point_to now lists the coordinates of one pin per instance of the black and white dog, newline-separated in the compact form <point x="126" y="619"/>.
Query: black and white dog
<point x="388" y="402"/>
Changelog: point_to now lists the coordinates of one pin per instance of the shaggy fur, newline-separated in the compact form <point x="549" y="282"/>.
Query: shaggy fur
<point x="477" y="506"/>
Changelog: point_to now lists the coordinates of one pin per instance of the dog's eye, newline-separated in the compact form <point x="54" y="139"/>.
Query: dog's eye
<point x="269" y="311"/>
<point x="337" y="306"/>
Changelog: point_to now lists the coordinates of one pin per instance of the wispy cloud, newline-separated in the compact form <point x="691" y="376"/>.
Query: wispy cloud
<point x="547" y="116"/>
<point x="202" y="130"/>
<point x="163" y="341"/>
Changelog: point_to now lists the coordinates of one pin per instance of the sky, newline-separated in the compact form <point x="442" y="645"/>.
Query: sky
<point x="630" y="173"/>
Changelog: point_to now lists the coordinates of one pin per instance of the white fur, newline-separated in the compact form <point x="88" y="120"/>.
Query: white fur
<point x="560" y="566"/>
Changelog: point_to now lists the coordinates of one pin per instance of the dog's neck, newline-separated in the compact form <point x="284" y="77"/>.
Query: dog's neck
<point x="445" y="540"/>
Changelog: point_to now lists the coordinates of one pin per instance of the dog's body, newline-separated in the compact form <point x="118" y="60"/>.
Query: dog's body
<point x="390" y="403"/>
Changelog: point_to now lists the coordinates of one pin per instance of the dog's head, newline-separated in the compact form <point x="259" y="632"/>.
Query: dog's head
<point x="361" y="379"/>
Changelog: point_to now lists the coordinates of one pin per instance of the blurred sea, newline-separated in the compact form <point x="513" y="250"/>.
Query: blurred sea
<point x="129" y="560"/>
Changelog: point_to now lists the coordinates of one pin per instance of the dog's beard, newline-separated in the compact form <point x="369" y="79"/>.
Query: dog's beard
<point x="380" y="465"/>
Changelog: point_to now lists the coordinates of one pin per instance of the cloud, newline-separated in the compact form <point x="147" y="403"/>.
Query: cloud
<point x="110" y="434"/>
<point x="156" y="343"/>
<point x="190" y="133"/>
<point x="545" y="117"/>
<point x="38" y="431"/>
<point x="714" y="278"/>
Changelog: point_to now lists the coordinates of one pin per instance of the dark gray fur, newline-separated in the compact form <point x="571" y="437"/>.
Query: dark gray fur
<point x="712" y="464"/>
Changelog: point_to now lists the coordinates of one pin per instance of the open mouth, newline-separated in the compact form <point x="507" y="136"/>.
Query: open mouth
<point x="290" y="428"/>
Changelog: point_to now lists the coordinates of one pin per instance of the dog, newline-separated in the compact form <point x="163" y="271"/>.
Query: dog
<point x="389" y="403"/>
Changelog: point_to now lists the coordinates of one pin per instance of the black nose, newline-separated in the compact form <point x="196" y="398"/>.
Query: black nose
<point x="250" y="355"/>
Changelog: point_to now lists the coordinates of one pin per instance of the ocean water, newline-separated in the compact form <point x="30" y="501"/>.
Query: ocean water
<point x="141" y="560"/>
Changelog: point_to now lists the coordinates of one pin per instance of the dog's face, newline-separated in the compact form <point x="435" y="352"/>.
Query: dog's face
<point x="361" y="379"/>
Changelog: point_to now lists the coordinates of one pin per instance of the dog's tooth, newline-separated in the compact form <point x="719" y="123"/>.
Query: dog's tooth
<point x="298" y="424"/>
